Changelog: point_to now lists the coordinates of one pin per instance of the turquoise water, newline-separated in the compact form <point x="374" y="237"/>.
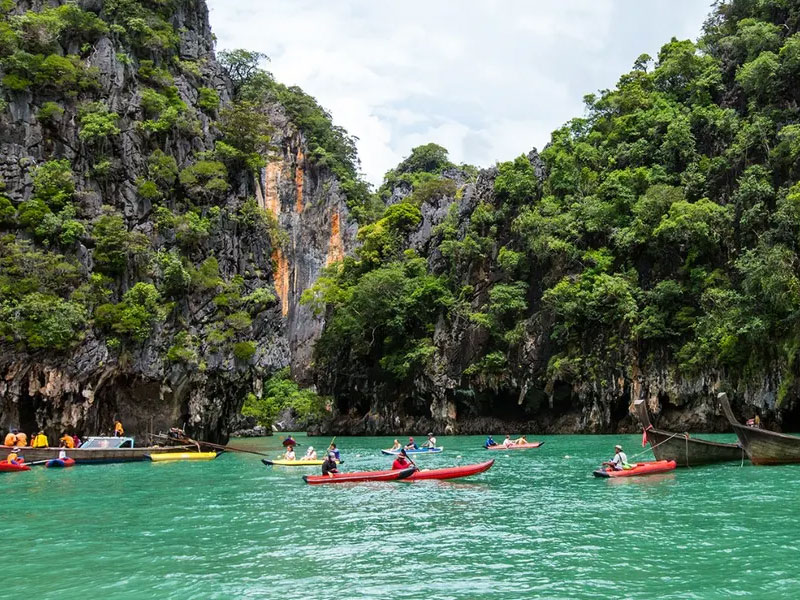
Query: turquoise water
<point x="536" y="525"/>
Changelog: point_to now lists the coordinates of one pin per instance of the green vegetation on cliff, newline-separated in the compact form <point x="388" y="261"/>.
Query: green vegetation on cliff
<point x="661" y="228"/>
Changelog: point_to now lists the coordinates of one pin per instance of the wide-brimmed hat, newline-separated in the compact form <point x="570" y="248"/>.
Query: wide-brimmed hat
<point x="617" y="447"/>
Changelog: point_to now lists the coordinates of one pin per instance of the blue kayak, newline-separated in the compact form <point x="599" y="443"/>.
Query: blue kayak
<point x="415" y="451"/>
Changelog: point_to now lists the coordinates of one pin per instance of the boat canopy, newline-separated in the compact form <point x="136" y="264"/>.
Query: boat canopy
<point x="108" y="442"/>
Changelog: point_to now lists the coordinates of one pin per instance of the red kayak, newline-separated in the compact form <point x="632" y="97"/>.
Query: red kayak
<point x="642" y="468"/>
<point x="356" y="476"/>
<point x="516" y="446"/>
<point x="7" y="467"/>
<point x="60" y="462"/>
<point x="450" y="472"/>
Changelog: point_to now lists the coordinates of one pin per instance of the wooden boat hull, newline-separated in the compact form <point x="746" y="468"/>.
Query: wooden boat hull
<point x="685" y="450"/>
<point x="764" y="447"/>
<point x="93" y="455"/>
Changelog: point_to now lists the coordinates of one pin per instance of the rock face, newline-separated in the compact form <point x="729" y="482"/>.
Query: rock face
<point x="522" y="397"/>
<point x="82" y="388"/>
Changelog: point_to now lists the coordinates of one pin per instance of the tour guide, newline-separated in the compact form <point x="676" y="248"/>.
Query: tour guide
<point x="620" y="460"/>
<point x="329" y="466"/>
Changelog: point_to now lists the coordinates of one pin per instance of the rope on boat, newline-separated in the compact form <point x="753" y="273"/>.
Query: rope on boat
<point x="663" y="442"/>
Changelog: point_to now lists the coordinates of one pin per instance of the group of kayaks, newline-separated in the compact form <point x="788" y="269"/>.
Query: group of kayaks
<point x="410" y="474"/>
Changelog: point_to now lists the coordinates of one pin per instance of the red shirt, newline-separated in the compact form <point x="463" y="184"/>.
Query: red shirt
<point x="400" y="463"/>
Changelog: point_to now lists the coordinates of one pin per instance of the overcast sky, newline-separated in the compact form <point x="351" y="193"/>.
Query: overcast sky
<point x="487" y="79"/>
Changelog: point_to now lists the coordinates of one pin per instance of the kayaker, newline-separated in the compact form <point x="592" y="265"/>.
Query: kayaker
<point x="62" y="454"/>
<point x="508" y="441"/>
<point x="401" y="462"/>
<point x="118" y="430"/>
<point x="335" y="450"/>
<point x="411" y="445"/>
<point x="520" y="440"/>
<point x="431" y="442"/>
<point x="395" y="446"/>
<point x="329" y="466"/>
<point x="311" y="454"/>
<point x="489" y="442"/>
<point x="14" y="458"/>
<point x="22" y="439"/>
<point x="40" y="441"/>
<point x="289" y="454"/>
<point x="620" y="460"/>
<point x="67" y="441"/>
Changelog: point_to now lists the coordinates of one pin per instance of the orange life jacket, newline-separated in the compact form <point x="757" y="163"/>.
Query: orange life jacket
<point x="11" y="440"/>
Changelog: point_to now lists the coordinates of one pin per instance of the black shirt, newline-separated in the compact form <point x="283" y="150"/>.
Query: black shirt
<point x="329" y="466"/>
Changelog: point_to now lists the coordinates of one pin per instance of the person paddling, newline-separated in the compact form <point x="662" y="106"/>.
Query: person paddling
<point x="489" y="442"/>
<point x="332" y="448"/>
<point x="289" y="454"/>
<point x="411" y="445"/>
<point x="329" y="466"/>
<point x="431" y="442"/>
<point x="395" y="446"/>
<point x="620" y="460"/>
<point x="402" y="462"/>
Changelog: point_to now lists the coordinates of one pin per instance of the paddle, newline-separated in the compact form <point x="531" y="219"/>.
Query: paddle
<point x="408" y="458"/>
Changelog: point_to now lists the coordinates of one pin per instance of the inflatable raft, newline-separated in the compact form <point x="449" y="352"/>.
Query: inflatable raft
<point x="642" y="468"/>
<point x="60" y="463"/>
<point x="167" y="456"/>
<point x="7" y="467"/>
<point x="450" y="472"/>
<point x="415" y="451"/>
<point x="516" y="446"/>
<point x="358" y="476"/>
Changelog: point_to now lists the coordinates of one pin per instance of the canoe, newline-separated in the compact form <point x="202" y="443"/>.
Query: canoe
<point x="762" y="446"/>
<point x="60" y="463"/>
<point x="415" y="451"/>
<point x="516" y="446"/>
<point x="685" y="450"/>
<point x="450" y="472"/>
<point x="7" y="467"/>
<point x="169" y="456"/>
<point x="642" y="468"/>
<point x="358" y="476"/>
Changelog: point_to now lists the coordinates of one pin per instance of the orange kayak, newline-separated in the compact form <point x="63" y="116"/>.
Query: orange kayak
<point x="642" y="468"/>
<point x="450" y="472"/>
<point x="358" y="476"/>
<point x="516" y="446"/>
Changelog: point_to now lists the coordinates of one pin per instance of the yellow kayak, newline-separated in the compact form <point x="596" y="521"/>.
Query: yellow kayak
<point x="165" y="456"/>
<point x="301" y="462"/>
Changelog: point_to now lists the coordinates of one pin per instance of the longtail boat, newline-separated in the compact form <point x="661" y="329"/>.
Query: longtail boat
<point x="685" y="450"/>
<point x="97" y="450"/>
<point x="762" y="446"/>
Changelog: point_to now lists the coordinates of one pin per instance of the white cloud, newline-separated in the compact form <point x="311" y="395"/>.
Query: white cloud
<point x="487" y="79"/>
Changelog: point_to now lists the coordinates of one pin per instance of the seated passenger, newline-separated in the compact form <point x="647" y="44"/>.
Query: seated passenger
<point x="22" y="439"/>
<point x="289" y="454"/>
<point x="396" y="446"/>
<point x="67" y="441"/>
<point x="411" y="445"/>
<point x="14" y="457"/>
<point x="311" y="454"/>
<point x="40" y="441"/>
<point x="11" y="438"/>
<point x="508" y="441"/>
<point x="489" y="442"/>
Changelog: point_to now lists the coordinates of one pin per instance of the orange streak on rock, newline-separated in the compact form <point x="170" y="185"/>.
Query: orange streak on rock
<point x="272" y="175"/>
<point x="298" y="181"/>
<point x="281" y="279"/>
<point x="335" y="245"/>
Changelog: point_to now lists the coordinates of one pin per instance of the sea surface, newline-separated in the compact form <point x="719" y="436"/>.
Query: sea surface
<point x="536" y="525"/>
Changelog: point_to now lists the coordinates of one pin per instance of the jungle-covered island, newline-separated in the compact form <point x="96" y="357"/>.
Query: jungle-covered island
<point x="185" y="241"/>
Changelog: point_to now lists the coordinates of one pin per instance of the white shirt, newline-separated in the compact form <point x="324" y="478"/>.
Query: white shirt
<point x="620" y="459"/>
